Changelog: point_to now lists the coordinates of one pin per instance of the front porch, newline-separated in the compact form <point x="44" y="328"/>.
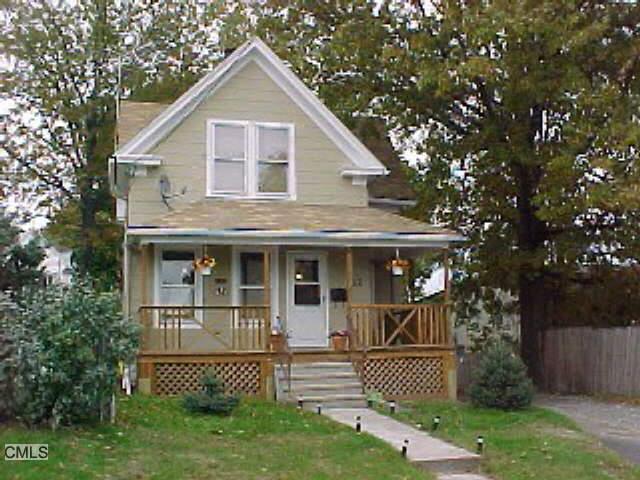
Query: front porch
<point x="400" y="350"/>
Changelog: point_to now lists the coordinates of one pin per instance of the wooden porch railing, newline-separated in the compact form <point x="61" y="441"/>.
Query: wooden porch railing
<point x="229" y="328"/>
<point x="399" y="325"/>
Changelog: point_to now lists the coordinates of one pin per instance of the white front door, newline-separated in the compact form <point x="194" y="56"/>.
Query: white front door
<point x="307" y="299"/>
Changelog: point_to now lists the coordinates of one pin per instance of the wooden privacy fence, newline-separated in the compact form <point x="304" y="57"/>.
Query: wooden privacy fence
<point x="390" y="325"/>
<point x="584" y="360"/>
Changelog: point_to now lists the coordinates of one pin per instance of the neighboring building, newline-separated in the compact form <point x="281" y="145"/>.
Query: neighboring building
<point x="57" y="265"/>
<point x="249" y="169"/>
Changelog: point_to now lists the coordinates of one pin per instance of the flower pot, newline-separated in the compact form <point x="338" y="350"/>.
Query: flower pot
<point x="205" y="271"/>
<point x="339" y="343"/>
<point x="397" y="270"/>
<point x="277" y="342"/>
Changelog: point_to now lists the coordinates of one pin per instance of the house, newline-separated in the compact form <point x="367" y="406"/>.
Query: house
<point x="251" y="210"/>
<point x="57" y="265"/>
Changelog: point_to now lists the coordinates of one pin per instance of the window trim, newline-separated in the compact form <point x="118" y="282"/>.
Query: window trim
<point x="211" y="158"/>
<point x="273" y="281"/>
<point x="197" y="282"/>
<point x="251" y="161"/>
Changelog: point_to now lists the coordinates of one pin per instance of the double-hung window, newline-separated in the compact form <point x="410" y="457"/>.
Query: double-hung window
<point x="251" y="285"/>
<point x="250" y="159"/>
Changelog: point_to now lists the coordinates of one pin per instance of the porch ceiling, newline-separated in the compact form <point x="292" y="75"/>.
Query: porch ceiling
<point x="294" y="223"/>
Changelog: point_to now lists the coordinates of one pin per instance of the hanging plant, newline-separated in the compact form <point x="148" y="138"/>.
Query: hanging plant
<point x="204" y="264"/>
<point x="398" y="266"/>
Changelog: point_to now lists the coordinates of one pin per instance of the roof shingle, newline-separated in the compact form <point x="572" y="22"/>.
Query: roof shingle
<point x="214" y="214"/>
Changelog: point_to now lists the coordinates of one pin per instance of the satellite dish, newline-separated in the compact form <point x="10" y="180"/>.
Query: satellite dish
<point x="166" y="192"/>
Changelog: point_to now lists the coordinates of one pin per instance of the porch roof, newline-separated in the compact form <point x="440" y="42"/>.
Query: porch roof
<point x="282" y="222"/>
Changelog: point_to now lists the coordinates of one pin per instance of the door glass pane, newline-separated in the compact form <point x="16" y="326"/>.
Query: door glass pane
<point x="177" y="268"/>
<point x="229" y="141"/>
<point x="252" y="296"/>
<point x="176" y="296"/>
<point x="228" y="176"/>
<point x="273" y="143"/>
<point x="307" y="294"/>
<point x="272" y="177"/>
<point x="306" y="271"/>
<point x="251" y="268"/>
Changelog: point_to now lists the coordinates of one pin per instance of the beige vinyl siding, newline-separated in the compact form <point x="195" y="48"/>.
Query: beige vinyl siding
<point x="249" y="95"/>
<point x="196" y="340"/>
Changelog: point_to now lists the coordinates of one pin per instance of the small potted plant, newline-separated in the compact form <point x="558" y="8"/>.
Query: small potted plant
<point x="339" y="340"/>
<point x="204" y="264"/>
<point x="277" y="341"/>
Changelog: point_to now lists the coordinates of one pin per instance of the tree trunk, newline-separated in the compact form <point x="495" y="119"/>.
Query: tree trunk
<point x="533" y="320"/>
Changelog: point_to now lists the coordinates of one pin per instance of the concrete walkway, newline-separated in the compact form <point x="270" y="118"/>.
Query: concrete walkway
<point x="617" y="425"/>
<point x="453" y="463"/>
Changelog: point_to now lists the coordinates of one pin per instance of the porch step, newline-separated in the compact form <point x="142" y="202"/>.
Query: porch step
<point x="331" y="384"/>
<point x="321" y="368"/>
<point x="306" y="390"/>
<point x="335" y="377"/>
<point x="356" y="400"/>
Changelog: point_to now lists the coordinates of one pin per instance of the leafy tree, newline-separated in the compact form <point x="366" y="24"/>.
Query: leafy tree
<point x="526" y="119"/>
<point x="69" y="342"/>
<point x="66" y="59"/>
<point x="19" y="263"/>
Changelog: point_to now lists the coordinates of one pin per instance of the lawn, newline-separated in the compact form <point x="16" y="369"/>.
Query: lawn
<point x="534" y="443"/>
<point x="155" y="438"/>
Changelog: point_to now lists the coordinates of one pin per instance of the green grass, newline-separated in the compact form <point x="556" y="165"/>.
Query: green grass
<point x="155" y="439"/>
<point x="534" y="443"/>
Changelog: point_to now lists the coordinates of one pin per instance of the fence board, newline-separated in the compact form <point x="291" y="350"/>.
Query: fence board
<point x="583" y="360"/>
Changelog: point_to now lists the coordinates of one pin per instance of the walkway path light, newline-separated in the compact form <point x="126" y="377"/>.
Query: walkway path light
<point x="480" y="443"/>
<point x="392" y="407"/>
<point x="358" y="424"/>
<point x="405" y="447"/>
<point x="319" y="409"/>
<point x="436" y="422"/>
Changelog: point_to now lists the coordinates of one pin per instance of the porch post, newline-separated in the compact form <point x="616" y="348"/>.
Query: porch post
<point x="446" y="275"/>
<point x="348" y="272"/>
<point x="447" y="293"/>
<point x="266" y="272"/>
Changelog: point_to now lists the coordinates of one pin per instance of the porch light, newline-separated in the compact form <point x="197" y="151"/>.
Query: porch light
<point x="480" y="443"/>
<point x="436" y="422"/>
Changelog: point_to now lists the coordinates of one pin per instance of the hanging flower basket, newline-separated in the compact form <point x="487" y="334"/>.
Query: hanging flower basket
<point x="398" y="266"/>
<point x="204" y="264"/>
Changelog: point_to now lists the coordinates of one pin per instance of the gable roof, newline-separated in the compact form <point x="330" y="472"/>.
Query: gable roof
<point x="364" y="161"/>
<point x="134" y="116"/>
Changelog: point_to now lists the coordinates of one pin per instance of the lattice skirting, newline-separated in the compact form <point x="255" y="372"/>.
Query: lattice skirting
<point x="242" y="378"/>
<point x="405" y="376"/>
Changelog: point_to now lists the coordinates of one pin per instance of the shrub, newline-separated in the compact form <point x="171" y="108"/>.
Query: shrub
<point x="211" y="399"/>
<point x="501" y="381"/>
<point x="68" y="342"/>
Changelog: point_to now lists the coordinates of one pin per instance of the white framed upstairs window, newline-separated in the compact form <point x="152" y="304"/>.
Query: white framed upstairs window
<point x="250" y="159"/>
